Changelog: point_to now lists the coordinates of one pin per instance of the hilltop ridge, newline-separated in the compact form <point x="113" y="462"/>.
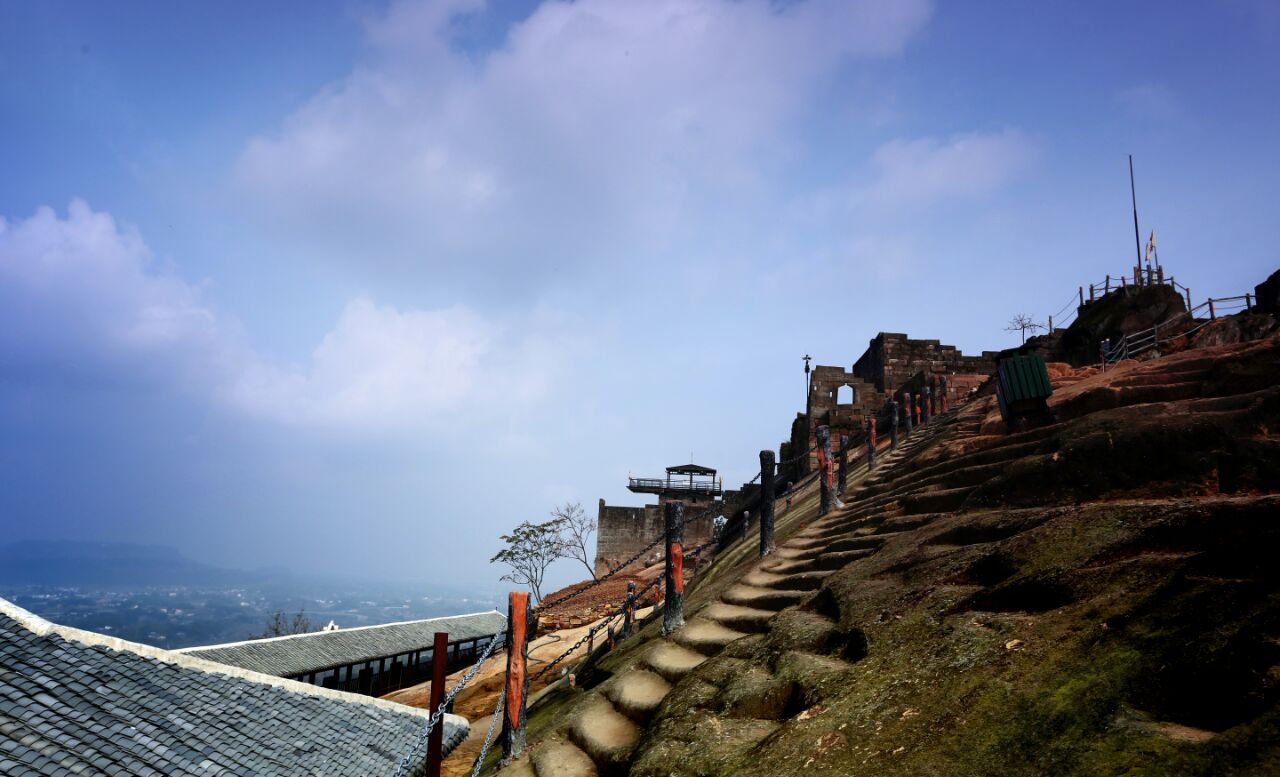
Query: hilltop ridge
<point x="1095" y="596"/>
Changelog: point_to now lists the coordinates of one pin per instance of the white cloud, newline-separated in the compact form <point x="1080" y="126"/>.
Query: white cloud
<point x="923" y="170"/>
<point x="596" y="117"/>
<point x="381" y="367"/>
<point x="81" y="290"/>
<point x="82" y="296"/>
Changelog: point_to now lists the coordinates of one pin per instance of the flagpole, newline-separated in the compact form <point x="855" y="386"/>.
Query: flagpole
<point x="1133" y="193"/>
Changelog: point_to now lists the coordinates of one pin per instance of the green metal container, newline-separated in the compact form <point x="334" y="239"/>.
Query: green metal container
<point x="1024" y="377"/>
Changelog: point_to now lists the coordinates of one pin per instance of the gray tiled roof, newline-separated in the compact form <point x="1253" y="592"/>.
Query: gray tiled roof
<point x="296" y="655"/>
<point x="74" y="702"/>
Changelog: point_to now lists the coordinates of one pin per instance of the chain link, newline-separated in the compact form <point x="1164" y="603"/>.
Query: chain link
<point x="798" y="456"/>
<point x="639" y="595"/>
<point x="543" y="606"/>
<point x="488" y="738"/>
<point x="436" y="717"/>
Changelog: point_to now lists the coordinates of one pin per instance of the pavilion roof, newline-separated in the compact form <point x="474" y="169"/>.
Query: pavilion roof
<point x="690" y="469"/>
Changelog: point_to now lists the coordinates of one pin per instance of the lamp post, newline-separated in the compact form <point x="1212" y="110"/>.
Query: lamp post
<point x="807" y="358"/>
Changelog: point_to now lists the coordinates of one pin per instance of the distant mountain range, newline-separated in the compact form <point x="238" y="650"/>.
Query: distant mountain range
<point x="65" y="563"/>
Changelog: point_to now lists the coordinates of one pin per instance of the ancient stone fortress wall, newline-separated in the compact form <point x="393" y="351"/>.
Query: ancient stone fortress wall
<point x="828" y="386"/>
<point x="622" y="531"/>
<point x="892" y="359"/>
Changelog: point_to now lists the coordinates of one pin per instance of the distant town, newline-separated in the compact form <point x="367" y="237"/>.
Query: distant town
<point x="157" y="597"/>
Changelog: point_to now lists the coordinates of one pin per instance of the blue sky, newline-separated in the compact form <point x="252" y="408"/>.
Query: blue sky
<point x="356" y="286"/>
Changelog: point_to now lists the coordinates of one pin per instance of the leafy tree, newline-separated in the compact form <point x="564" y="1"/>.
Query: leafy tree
<point x="530" y="549"/>
<point x="576" y="530"/>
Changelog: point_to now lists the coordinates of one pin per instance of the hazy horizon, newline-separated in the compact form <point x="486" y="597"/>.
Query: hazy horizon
<point x="353" y="287"/>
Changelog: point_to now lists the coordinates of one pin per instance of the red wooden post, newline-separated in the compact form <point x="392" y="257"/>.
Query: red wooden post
<point x="435" y="745"/>
<point x="513" y="734"/>
<point x="1211" y="315"/>
<point x="1091" y="292"/>
<point x="1082" y="295"/>
<point x="1107" y="290"/>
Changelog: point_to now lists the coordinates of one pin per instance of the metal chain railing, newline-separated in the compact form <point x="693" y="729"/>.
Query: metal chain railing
<point x="608" y="619"/>
<point x="438" y="715"/>
<point x="546" y="605"/>
<point x="488" y="738"/>
<point x="798" y="456"/>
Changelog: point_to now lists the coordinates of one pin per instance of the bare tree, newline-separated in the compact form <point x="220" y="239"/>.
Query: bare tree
<point x="280" y="626"/>
<point x="531" y="548"/>
<point x="1023" y="323"/>
<point x="576" y="531"/>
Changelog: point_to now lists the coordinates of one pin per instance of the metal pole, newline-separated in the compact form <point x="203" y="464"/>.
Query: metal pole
<point x="435" y="744"/>
<point x="824" y="470"/>
<point x="513" y="721"/>
<point x="1211" y="313"/>
<point x="673" y="613"/>
<point x="906" y="405"/>
<point x="926" y="401"/>
<point x="767" y="478"/>
<point x="1133" y="192"/>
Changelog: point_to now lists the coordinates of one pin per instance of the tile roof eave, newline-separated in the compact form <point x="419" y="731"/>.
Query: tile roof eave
<point x="41" y="627"/>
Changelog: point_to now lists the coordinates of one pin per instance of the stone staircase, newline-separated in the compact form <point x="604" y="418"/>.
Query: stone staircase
<point x="607" y="726"/>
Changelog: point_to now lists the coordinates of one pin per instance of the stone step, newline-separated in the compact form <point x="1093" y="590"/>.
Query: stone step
<point x="787" y="567"/>
<point x="672" y="661"/>
<point x="832" y="562"/>
<point x="745" y="619"/>
<point x="637" y="693"/>
<point x="788" y="553"/>
<point x="605" y="734"/>
<point x="706" y="636"/>
<point x="762" y="598"/>
<point x="558" y="758"/>
<point x="520" y="768"/>
<point x="799" y="581"/>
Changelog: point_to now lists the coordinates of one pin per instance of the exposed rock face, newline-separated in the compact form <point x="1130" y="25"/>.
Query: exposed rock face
<point x="1240" y="328"/>
<point x="1123" y="311"/>
<point x="1267" y="294"/>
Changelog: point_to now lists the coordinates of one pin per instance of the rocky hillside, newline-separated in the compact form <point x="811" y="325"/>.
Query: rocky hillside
<point x="1098" y="596"/>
